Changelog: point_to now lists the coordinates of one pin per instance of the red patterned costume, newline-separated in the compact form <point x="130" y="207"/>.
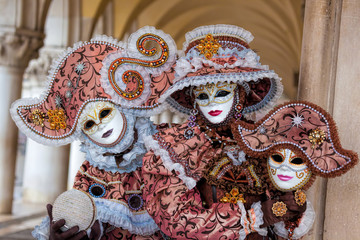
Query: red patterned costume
<point x="198" y="182"/>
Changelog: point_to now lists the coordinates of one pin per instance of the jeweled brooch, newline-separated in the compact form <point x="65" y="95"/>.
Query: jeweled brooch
<point x="316" y="137"/>
<point x="279" y="209"/>
<point x="208" y="46"/>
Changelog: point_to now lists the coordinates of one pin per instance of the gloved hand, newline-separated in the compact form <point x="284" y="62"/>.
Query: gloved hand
<point x="294" y="211"/>
<point x="73" y="233"/>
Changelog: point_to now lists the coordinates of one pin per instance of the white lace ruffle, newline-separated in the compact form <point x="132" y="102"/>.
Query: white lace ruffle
<point x="304" y="227"/>
<point x="237" y="157"/>
<point x="194" y="61"/>
<point x="42" y="231"/>
<point x="120" y="215"/>
<point x="257" y="219"/>
<point x="245" y="230"/>
<point x="219" y="29"/>
<point x="153" y="145"/>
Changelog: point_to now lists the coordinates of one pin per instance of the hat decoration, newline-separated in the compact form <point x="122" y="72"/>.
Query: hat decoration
<point x="220" y="53"/>
<point x="302" y="127"/>
<point x="75" y="79"/>
<point x="127" y="74"/>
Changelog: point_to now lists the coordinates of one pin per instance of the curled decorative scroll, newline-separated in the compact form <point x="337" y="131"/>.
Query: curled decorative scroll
<point x="133" y="80"/>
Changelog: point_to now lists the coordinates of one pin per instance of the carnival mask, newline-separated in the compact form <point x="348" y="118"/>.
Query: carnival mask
<point x="103" y="123"/>
<point x="215" y="100"/>
<point x="287" y="171"/>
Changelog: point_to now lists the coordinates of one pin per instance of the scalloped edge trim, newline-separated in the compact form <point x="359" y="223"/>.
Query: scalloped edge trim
<point x="152" y="144"/>
<point x="120" y="215"/>
<point x="217" y="30"/>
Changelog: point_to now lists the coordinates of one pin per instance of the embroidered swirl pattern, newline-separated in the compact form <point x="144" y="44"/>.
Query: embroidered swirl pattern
<point x="131" y="78"/>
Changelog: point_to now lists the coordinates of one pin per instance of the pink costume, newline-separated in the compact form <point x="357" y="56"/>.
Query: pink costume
<point x="92" y="86"/>
<point x="310" y="133"/>
<point x="179" y="192"/>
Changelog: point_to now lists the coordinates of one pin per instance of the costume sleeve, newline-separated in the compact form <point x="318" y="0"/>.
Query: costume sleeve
<point x="178" y="211"/>
<point x="303" y="227"/>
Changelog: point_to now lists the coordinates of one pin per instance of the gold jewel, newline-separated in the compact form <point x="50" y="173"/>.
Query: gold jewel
<point x="57" y="119"/>
<point x="300" y="197"/>
<point x="279" y="209"/>
<point x="208" y="46"/>
<point x="37" y="117"/>
<point x="233" y="197"/>
<point x="316" y="137"/>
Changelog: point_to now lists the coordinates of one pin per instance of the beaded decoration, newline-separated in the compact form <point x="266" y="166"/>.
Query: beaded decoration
<point x="134" y="78"/>
<point x="279" y="209"/>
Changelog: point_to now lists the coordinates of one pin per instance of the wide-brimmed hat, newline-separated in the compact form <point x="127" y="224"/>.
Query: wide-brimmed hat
<point x="130" y="75"/>
<point x="221" y="53"/>
<point x="303" y="127"/>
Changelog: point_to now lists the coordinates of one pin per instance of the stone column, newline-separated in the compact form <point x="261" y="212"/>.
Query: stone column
<point x="342" y="208"/>
<point x="46" y="172"/>
<point x="76" y="159"/>
<point x="15" y="52"/>
<point x="329" y="78"/>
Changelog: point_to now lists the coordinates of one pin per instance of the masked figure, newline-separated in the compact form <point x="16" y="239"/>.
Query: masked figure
<point x="299" y="141"/>
<point x="99" y="92"/>
<point x="198" y="182"/>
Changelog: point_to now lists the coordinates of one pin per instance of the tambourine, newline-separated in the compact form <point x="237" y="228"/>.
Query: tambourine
<point x="76" y="208"/>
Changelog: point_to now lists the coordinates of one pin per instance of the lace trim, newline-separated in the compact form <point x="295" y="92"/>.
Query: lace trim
<point x="42" y="231"/>
<point x="244" y="222"/>
<point x="304" y="227"/>
<point x="257" y="219"/>
<point x="133" y="159"/>
<point x="219" y="29"/>
<point x="194" y="61"/>
<point x="153" y="145"/>
<point x="119" y="215"/>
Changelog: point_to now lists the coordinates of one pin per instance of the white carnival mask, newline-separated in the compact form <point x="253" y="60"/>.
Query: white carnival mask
<point x="215" y="100"/>
<point x="103" y="123"/>
<point x="287" y="171"/>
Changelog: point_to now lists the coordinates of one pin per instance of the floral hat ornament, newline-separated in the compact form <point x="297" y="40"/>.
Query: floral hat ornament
<point x="102" y="69"/>
<point x="305" y="129"/>
<point x="221" y="53"/>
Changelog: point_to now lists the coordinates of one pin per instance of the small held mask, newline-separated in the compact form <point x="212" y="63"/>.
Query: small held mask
<point x="215" y="100"/>
<point x="287" y="171"/>
<point x="103" y="123"/>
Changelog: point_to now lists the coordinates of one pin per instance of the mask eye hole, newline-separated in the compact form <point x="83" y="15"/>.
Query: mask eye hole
<point x="104" y="113"/>
<point x="89" y="124"/>
<point x="222" y="93"/>
<point x="297" y="161"/>
<point x="202" y="96"/>
<point x="277" y="158"/>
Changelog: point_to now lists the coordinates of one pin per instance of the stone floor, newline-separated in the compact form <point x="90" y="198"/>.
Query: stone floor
<point x="21" y="222"/>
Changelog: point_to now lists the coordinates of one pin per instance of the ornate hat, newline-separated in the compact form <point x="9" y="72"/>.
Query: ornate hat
<point x="302" y="127"/>
<point x="220" y="53"/>
<point x="129" y="74"/>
